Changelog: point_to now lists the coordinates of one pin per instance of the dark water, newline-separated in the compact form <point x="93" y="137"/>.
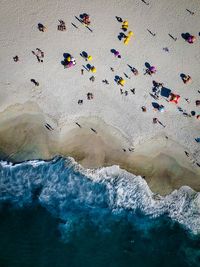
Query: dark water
<point x="57" y="214"/>
<point x="31" y="237"/>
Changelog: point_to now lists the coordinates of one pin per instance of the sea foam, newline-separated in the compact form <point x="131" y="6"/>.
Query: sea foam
<point x="71" y="192"/>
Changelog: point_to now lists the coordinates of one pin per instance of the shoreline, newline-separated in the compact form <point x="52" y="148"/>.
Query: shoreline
<point x="162" y="162"/>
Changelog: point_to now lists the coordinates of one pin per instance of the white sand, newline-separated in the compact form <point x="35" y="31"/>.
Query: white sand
<point x="61" y="88"/>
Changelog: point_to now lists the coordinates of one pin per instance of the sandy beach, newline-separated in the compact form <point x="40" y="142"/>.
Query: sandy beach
<point x="124" y="135"/>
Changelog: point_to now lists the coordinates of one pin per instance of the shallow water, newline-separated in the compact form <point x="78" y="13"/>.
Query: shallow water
<point x="58" y="214"/>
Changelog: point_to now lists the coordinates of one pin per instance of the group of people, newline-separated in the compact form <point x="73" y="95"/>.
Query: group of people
<point x="70" y="61"/>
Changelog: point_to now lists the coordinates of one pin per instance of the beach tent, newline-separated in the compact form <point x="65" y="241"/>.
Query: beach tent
<point x="174" y="98"/>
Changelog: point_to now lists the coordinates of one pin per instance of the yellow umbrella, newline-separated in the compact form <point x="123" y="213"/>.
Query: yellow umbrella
<point x="130" y="33"/>
<point x="125" y="23"/>
<point x="69" y="59"/>
<point x="126" y="40"/>
<point x="89" y="58"/>
<point x="122" y="82"/>
<point x="93" y="69"/>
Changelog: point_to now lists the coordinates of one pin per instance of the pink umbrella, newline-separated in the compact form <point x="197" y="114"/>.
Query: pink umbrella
<point x="152" y="69"/>
<point x="70" y="64"/>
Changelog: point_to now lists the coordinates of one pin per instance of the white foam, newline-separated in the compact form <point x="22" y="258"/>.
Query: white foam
<point x="67" y="189"/>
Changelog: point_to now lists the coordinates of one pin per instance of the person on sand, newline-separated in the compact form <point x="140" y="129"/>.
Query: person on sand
<point x="41" y="27"/>
<point x="133" y="90"/>
<point x="82" y="71"/>
<point x="62" y="26"/>
<point x="35" y="82"/>
<point x="90" y="96"/>
<point x="186" y="79"/>
<point x="92" y="78"/>
<point x="105" y="81"/>
<point x="39" y="55"/>
<point x="155" y="120"/>
<point x="80" y="101"/>
<point x="151" y="70"/>
<point x="135" y="71"/>
<point x="86" y="19"/>
<point x="117" y="54"/>
<point x="119" y="19"/>
<point x="16" y="58"/>
<point x="144" y="109"/>
<point x="186" y="153"/>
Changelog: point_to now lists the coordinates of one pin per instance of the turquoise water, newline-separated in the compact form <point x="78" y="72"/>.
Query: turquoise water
<point x="57" y="214"/>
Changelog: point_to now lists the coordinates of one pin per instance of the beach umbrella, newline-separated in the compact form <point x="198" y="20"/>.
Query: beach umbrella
<point x="68" y="58"/>
<point x="126" y="40"/>
<point x="116" y="53"/>
<point x="152" y="69"/>
<point x="70" y="64"/>
<point x="122" y="82"/>
<point x="130" y="33"/>
<point x="93" y="69"/>
<point x="89" y="58"/>
<point x="125" y="23"/>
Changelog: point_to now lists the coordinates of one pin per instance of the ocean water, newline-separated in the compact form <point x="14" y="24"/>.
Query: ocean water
<point x="56" y="213"/>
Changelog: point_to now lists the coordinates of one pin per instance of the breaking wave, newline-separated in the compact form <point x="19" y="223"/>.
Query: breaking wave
<point x="72" y="193"/>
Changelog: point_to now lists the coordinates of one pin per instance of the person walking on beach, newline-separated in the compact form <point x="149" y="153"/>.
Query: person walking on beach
<point x="35" y="82"/>
<point x="82" y="71"/>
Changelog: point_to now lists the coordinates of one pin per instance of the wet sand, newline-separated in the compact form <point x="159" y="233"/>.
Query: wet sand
<point x="161" y="161"/>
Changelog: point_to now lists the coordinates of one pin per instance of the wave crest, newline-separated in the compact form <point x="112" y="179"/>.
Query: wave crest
<point x="68" y="190"/>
